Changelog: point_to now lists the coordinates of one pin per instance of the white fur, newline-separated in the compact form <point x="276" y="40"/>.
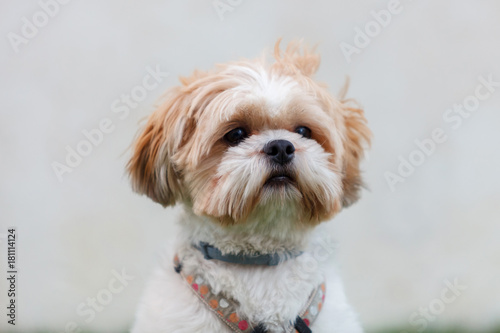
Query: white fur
<point x="275" y="90"/>
<point x="271" y="294"/>
<point x="228" y="203"/>
<point x="274" y="295"/>
<point x="245" y="168"/>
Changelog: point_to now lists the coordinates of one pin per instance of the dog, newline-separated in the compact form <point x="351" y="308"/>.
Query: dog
<point x="258" y="154"/>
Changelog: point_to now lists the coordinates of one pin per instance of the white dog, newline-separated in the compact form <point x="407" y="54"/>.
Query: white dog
<point x="258" y="155"/>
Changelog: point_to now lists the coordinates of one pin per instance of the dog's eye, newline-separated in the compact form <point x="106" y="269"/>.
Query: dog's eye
<point x="304" y="131"/>
<point x="235" y="136"/>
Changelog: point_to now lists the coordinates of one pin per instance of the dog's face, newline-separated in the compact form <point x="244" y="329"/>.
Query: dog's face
<point x="250" y="138"/>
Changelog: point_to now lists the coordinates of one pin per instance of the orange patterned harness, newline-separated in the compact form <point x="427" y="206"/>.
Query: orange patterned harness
<point x="226" y="308"/>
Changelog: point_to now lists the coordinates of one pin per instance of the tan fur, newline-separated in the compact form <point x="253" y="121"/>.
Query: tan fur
<point x="180" y="153"/>
<point x="358" y="135"/>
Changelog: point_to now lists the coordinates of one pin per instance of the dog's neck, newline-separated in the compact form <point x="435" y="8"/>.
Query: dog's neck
<point x="291" y="282"/>
<point x="267" y="233"/>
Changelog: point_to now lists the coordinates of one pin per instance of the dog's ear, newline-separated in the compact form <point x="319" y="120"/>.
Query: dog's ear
<point x="152" y="168"/>
<point x="357" y="138"/>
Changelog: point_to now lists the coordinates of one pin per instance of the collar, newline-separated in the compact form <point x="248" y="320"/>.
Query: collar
<point x="271" y="259"/>
<point x="226" y="308"/>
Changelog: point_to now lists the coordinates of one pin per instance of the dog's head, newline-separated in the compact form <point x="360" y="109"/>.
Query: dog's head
<point x="251" y="137"/>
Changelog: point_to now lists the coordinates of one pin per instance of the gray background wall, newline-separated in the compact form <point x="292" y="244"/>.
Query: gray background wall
<point x="396" y="249"/>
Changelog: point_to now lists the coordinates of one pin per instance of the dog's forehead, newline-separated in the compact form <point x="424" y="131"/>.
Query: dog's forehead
<point x="272" y="89"/>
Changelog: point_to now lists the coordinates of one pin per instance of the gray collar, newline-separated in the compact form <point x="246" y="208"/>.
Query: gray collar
<point x="272" y="259"/>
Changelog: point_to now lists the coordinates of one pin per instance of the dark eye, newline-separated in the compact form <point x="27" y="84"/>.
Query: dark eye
<point x="235" y="136"/>
<point x="304" y="131"/>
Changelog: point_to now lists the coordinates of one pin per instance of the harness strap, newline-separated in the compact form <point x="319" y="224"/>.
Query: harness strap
<point x="225" y="308"/>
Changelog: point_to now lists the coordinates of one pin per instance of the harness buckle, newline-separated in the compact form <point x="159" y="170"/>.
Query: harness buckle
<point x="203" y="247"/>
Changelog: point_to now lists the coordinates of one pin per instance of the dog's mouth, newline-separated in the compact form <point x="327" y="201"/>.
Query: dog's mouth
<point x="280" y="179"/>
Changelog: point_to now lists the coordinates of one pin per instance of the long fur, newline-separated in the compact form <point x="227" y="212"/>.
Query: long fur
<point x="181" y="157"/>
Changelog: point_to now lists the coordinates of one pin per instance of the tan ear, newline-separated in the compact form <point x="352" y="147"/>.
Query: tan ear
<point x="358" y="137"/>
<point x="151" y="168"/>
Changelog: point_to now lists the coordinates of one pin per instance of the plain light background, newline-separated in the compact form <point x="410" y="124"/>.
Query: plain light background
<point x="396" y="249"/>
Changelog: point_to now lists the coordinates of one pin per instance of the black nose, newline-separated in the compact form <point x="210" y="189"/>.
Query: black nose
<point x="280" y="151"/>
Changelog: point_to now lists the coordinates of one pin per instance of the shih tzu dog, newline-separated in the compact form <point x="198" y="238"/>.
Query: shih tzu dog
<point x="258" y="154"/>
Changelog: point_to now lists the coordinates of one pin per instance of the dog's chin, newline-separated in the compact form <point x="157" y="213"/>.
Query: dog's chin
<point x="280" y="188"/>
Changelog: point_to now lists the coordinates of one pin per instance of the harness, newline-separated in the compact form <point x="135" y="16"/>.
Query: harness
<point x="225" y="308"/>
